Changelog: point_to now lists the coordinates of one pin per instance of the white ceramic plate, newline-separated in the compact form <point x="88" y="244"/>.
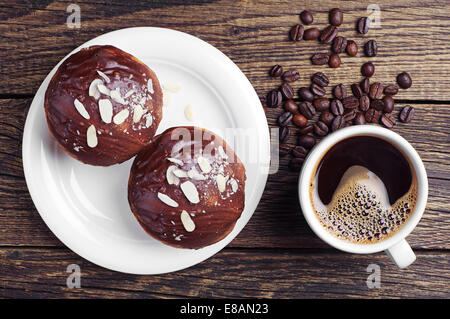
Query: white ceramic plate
<point x="86" y="207"/>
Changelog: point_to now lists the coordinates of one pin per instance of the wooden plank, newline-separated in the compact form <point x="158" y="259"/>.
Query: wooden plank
<point x="277" y="221"/>
<point x="249" y="273"/>
<point x="252" y="33"/>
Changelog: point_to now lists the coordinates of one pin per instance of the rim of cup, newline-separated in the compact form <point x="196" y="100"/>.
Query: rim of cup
<point x="317" y="154"/>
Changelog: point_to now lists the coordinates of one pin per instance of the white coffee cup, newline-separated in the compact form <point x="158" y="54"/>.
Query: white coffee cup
<point x="395" y="246"/>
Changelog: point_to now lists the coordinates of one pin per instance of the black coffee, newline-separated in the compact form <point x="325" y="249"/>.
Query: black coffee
<point x="363" y="189"/>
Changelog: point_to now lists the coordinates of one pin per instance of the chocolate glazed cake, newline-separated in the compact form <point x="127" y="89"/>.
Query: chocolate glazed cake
<point x="103" y="105"/>
<point x="186" y="192"/>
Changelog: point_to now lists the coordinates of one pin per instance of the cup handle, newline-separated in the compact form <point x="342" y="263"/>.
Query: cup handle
<point x="401" y="254"/>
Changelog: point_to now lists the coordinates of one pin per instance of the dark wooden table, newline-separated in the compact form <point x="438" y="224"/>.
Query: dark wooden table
<point x="276" y="255"/>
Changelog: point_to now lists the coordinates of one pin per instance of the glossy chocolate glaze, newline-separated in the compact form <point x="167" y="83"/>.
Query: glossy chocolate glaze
<point x="116" y="142"/>
<point x="216" y="213"/>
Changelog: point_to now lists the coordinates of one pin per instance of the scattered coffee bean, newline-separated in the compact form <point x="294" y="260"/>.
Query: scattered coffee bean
<point x="371" y="48"/>
<point x="311" y="34"/>
<point x="352" y="48"/>
<point x="376" y="90"/>
<point x="317" y="90"/>
<point x="291" y="106"/>
<point x="368" y="69"/>
<point x="388" y="104"/>
<point x="328" y="34"/>
<point x="307" y="109"/>
<point x="274" y="98"/>
<point x="284" y="150"/>
<point x="339" y="91"/>
<point x="320" y="58"/>
<point x="286" y="90"/>
<point x="350" y="102"/>
<point x="388" y="120"/>
<point x="276" y="71"/>
<point x="320" y="79"/>
<point x="349" y="115"/>
<point x="356" y="90"/>
<point x="307" y="141"/>
<point x="300" y="152"/>
<point x="336" y="17"/>
<point x="364" y="103"/>
<point x="377" y="104"/>
<point x="299" y="120"/>
<point x="320" y="128"/>
<point x="262" y="99"/>
<point x="404" y="80"/>
<point x="306" y="130"/>
<point x="306" y="17"/>
<point x="363" y="25"/>
<point x="407" y="114"/>
<point x="327" y="117"/>
<point x="365" y="85"/>
<point x="285" y="118"/>
<point x="305" y="94"/>
<point x="290" y="76"/>
<point x="296" y="163"/>
<point x="338" y="122"/>
<point x="296" y="32"/>
<point x="334" y="61"/>
<point x="391" y="90"/>
<point x="372" y="116"/>
<point x="339" y="45"/>
<point x="359" y="119"/>
<point x="336" y="107"/>
<point x="284" y="134"/>
<point x="321" y="104"/>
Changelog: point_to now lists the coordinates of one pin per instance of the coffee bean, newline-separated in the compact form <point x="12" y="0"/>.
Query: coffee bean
<point x="306" y="17"/>
<point x="262" y="99"/>
<point x="320" y="58"/>
<point x="352" y="48"/>
<point x="363" y="25"/>
<point x="359" y="119"/>
<point x="286" y="90"/>
<point x="388" y="104"/>
<point x="350" y="102"/>
<point x="305" y="94"/>
<point x="296" y="163"/>
<point x="356" y="90"/>
<point x="291" y="106"/>
<point x="391" y="89"/>
<point x="285" y="118"/>
<point x="336" y="107"/>
<point x="407" y="114"/>
<point x="339" y="45"/>
<point x="404" y="80"/>
<point x="372" y="116"/>
<point x="349" y="115"/>
<point x="307" y="109"/>
<point x="377" y="104"/>
<point x="284" y="133"/>
<point x="276" y="71"/>
<point x="371" y="48"/>
<point x="320" y="128"/>
<point x="306" y="130"/>
<point x="335" y="60"/>
<point x="339" y="91"/>
<point x="299" y="152"/>
<point x="388" y="120"/>
<point x="311" y="34"/>
<point x="327" y="117"/>
<point x="317" y="90"/>
<point x="338" y="122"/>
<point x="376" y="90"/>
<point x="364" y="103"/>
<point x="368" y="69"/>
<point x="299" y="120"/>
<point x="336" y="17"/>
<point x="296" y="32"/>
<point x="365" y="85"/>
<point x="321" y="104"/>
<point x="320" y="79"/>
<point x="307" y="141"/>
<point x="290" y="76"/>
<point x="284" y="150"/>
<point x="328" y="34"/>
<point x="274" y="98"/>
